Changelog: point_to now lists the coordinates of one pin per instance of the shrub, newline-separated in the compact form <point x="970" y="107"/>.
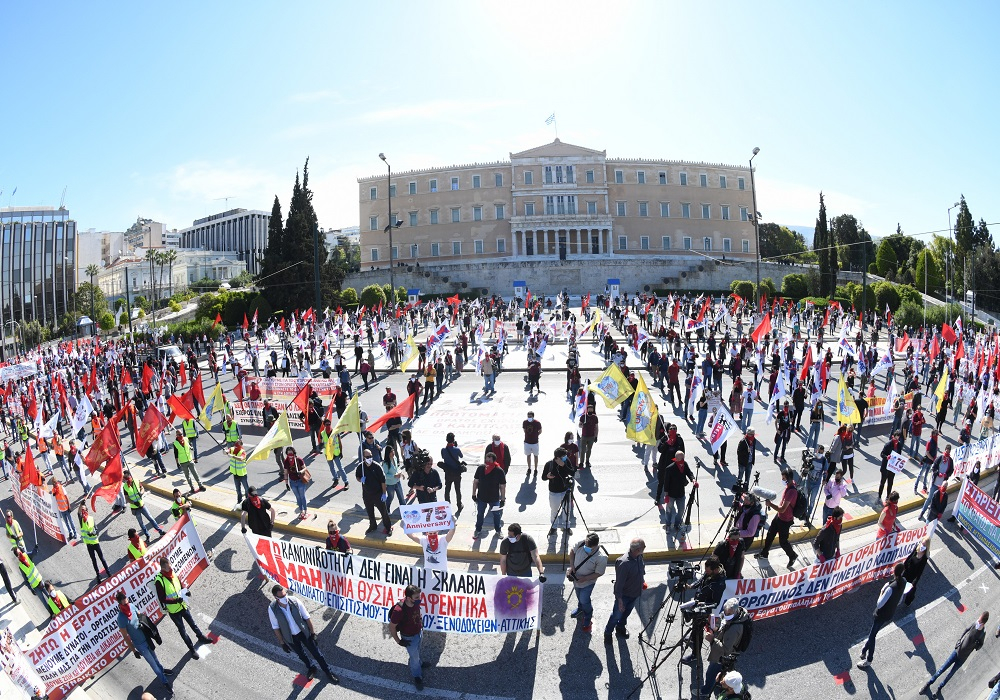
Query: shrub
<point x="106" y="321"/>
<point x="372" y="295"/>
<point x="743" y="288"/>
<point x="886" y="294"/>
<point x="174" y="306"/>
<point x="907" y="292"/>
<point x="794" y="286"/>
<point x="766" y="288"/>
<point x="348" y="297"/>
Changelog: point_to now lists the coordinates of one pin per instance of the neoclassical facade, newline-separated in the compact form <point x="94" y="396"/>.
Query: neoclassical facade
<point x="558" y="201"/>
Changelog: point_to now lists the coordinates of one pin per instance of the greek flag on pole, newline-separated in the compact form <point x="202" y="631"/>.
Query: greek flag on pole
<point x="551" y="118"/>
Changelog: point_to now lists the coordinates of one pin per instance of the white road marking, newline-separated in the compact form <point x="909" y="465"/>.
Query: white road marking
<point x="354" y="675"/>
<point x="986" y="589"/>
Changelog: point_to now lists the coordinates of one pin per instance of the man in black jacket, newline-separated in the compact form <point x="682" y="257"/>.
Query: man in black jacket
<point x="885" y="608"/>
<point x="971" y="640"/>
<point x="674" y="480"/>
<point x="746" y="455"/>
<point x="827" y="542"/>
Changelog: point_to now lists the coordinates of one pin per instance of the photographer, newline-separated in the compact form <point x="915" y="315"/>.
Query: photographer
<point x="730" y="685"/>
<point x="558" y="472"/>
<point x="711" y="588"/>
<point x="730" y="639"/>
<point x="587" y="564"/>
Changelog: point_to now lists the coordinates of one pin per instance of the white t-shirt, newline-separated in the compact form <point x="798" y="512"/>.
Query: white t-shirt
<point x="292" y="626"/>
<point x="436" y="558"/>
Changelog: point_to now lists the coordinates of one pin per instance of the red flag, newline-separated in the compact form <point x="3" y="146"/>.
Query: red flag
<point x="948" y="333"/>
<point x="763" y="301"/>
<point x="197" y="391"/>
<point x="178" y="408"/>
<point x="584" y="305"/>
<point x="29" y="472"/>
<point x="826" y="316"/>
<point x="903" y="343"/>
<point x="677" y="307"/>
<point x="361" y="311"/>
<point x="111" y="482"/>
<point x="246" y="324"/>
<point x="935" y="349"/>
<point x="93" y="378"/>
<point x="403" y="410"/>
<point x="281" y="323"/>
<point x="218" y="320"/>
<point x="301" y="400"/>
<point x="649" y="304"/>
<point x="704" y="308"/>
<point x="960" y="350"/>
<point x="763" y="328"/>
<point x="153" y="423"/>
<point x="147" y="378"/>
<point x="33" y="405"/>
<point x="105" y="447"/>
<point x="254" y="319"/>
<point x="453" y="300"/>
<point x="527" y="299"/>
<point x="807" y="364"/>
<point x="126" y="376"/>
<point x="238" y="390"/>
<point x="182" y="373"/>
<point x="340" y="310"/>
<point x="823" y="378"/>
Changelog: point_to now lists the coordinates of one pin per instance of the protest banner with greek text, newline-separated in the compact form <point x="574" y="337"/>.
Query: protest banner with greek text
<point x="453" y="601"/>
<point x="284" y="389"/>
<point x="41" y="507"/>
<point x="980" y="515"/>
<point x="251" y="413"/>
<point x="84" y="639"/>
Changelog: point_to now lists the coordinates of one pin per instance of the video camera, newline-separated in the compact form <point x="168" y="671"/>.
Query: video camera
<point x="683" y="571"/>
<point x="698" y="612"/>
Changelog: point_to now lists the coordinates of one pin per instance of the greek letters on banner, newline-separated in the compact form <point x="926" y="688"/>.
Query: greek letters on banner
<point x="458" y="602"/>
<point x="286" y="388"/>
<point x="15" y="372"/>
<point x="84" y="639"/>
<point x="986" y="451"/>
<point x="250" y="413"/>
<point x="40" y="506"/>
<point x="980" y="515"/>
<point x="17" y="668"/>
<point x="880" y="412"/>
<point x="426" y="517"/>
<point x="816" y="584"/>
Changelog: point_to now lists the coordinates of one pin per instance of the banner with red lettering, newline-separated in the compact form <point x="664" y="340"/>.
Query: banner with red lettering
<point x="41" y="507"/>
<point x="284" y="389"/>
<point x="84" y="639"/>
<point x="453" y="601"/>
<point x="980" y="515"/>
<point x="819" y="583"/>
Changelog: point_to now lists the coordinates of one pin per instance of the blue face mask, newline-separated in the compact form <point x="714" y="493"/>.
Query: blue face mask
<point x="587" y="549"/>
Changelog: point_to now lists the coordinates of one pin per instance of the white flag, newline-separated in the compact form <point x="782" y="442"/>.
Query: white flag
<point x="723" y="425"/>
<point x="83" y="410"/>
<point x="49" y="429"/>
<point x="883" y="365"/>
<point x="779" y="393"/>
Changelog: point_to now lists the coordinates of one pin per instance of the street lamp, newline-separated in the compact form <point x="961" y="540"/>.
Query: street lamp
<point x="756" y="226"/>
<point x="948" y="265"/>
<point x="390" y="226"/>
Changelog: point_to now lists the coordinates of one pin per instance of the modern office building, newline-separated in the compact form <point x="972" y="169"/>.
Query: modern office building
<point x="37" y="267"/>
<point x="558" y="201"/>
<point x="238" y="230"/>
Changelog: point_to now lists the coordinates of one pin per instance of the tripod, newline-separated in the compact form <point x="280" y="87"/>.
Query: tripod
<point x="566" y="509"/>
<point x="664" y="651"/>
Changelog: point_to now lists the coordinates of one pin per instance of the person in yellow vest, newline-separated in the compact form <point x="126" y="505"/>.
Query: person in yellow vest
<point x="14" y="532"/>
<point x="191" y="433"/>
<point x="334" y="450"/>
<point x="171" y="596"/>
<point x="133" y="496"/>
<point x="180" y="505"/>
<point x="55" y="599"/>
<point x="136" y="547"/>
<point x="238" y="468"/>
<point x="88" y="533"/>
<point x="31" y="575"/>
<point x="231" y="430"/>
<point x="62" y="503"/>
<point x="184" y="458"/>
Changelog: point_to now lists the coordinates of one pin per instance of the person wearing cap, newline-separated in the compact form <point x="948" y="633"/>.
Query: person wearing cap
<point x="729" y="686"/>
<point x="746" y="455"/>
<point x="136" y="640"/>
<point x="257" y="513"/>
<point x="723" y="641"/>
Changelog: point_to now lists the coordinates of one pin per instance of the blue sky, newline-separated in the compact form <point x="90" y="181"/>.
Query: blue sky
<point x="161" y="109"/>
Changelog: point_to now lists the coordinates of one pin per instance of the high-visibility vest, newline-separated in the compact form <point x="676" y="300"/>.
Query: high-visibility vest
<point x="332" y="440"/>
<point x="190" y="429"/>
<point x="42" y="445"/>
<point x="30" y="572"/>
<point x="233" y="432"/>
<point x="238" y="462"/>
<point x="62" y="501"/>
<point x="22" y="430"/>
<point x="88" y="531"/>
<point x="183" y="451"/>
<point x="133" y="494"/>
<point x="175" y="508"/>
<point x="57" y="602"/>
<point x="172" y="592"/>
<point x="58" y="447"/>
<point x="14" y="532"/>
<point x="136" y="552"/>
<point x="95" y="423"/>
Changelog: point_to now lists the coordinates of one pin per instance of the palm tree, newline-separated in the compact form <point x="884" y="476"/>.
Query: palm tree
<point x="150" y="257"/>
<point x="170" y="256"/>
<point x="161" y="259"/>
<point x="92" y="271"/>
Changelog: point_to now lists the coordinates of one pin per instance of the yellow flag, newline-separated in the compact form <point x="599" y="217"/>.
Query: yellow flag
<point x="411" y="355"/>
<point x="215" y="402"/>
<point x="941" y="387"/>
<point x="350" y="421"/>
<point x="278" y="436"/>
<point x="642" y="416"/>
<point x="847" y="410"/>
<point x="612" y="386"/>
<point x="594" y="320"/>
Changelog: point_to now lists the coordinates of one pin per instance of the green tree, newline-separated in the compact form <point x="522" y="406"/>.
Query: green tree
<point x="965" y="229"/>
<point x="106" y="321"/>
<point x="886" y="295"/>
<point x="142" y="302"/>
<point x="781" y="243"/>
<point x="742" y="288"/>
<point x="885" y="258"/>
<point x="83" y="298"/>
<point x="821" y="241"/>
<point x="928" y="273"/>
<point x="372" y="295"/>
<point x="856" y="247"/>
<point x="795" y="286"/>
<point x="170" y="257"/>
<point x="767" y="289"/>
<point x="348" y="298"/>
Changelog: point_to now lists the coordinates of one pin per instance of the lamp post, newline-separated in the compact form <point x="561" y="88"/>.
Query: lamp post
<point x="948" y="265"/>
<point x="390" y="226"/>
<point x="756" y="224"/>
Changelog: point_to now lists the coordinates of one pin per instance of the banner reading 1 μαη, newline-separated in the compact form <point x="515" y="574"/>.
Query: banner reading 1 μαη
<point x="464" y="603"/>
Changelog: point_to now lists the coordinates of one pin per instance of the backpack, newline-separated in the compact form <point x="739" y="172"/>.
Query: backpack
<point x="745" y="638"/>
<point x="800" y="510"/>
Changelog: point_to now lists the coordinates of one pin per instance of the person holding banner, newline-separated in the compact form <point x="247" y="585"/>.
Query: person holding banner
<point x="294" y="630"/>
<point x="894" y="446"/>
<point x="138" y="643"/>
<point x="14" y="532"/>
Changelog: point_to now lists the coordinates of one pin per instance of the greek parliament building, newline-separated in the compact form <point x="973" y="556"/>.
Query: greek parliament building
<point x="37" y="267"/>
<point x="557" y="202"/>
<point x="238" y="230"/>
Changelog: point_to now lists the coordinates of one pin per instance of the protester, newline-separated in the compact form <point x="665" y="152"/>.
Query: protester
<point x="630" y="581"/>
<point x="294" y="631"/>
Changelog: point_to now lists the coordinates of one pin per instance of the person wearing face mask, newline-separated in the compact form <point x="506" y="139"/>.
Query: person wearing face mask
<point x="826" y="545"/>
<point x="971" y="641"/>
<point x="518" y="552"/>
<point x="746" y="455"/>
<point x="405" y="625"/>
<point x="500" y="452"/>
<point x="435" y="547"/>
<point x="588" y="562"/>
<point x="588" y="435"/>
<point x="630" y="581"/>
<point x="489" y="492"/>
<point x="180" y="505"/>
<point x="723" y="641"/>
<point x="913" y="567"/>
<point x="171" y="595"/>
<point x="294" y="630"/>
<point x="137" y="641"/>
<point x="834" y="490"/>
<point x="136" y="547"/>
<point x="89" y="535"/>
<point x="374" y="492"/>
<point x="335" y="541"/>
<point x="532" y="430"/>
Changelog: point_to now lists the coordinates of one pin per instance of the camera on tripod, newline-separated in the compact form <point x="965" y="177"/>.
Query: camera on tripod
<point x="807" y="464"/>
<point x="699" y="612"/>
<point x="683" y="571"/>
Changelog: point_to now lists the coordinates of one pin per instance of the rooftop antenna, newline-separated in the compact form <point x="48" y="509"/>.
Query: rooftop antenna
<point x="62" y="200"/>
<point x="219" y="199"/>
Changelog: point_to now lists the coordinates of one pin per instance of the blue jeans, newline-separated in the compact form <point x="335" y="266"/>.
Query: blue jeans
<point x="618" y="615"/>
<point x="869" y="647"/>
<point x="747" y="417"/>
<point x="812" y="439"/>
<point x="489" y="380"/>
<point x="139" y="513"/>
<point x="194" y="446"/>
<point x="299" y="489"/>
<point x="925" y="470"/>
<point x="914" y="444"/>
<point x="67" y="518"/>
<point x="242" y="486"/>
<point x="927" y="503"/>
<point x="481" y="508"/>
<point x="337" y="469"/>
<point x="150" y="656"/>
<point x="584" y="606"/>
<point x="414" y="651"/>
<point x="394" y="490"/>
<point x="951" y="661"/>
<point x="702" y="416"/>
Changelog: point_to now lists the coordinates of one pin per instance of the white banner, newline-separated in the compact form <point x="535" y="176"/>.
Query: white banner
<point x="20" y="371"/>
<point x="251" y="413"/>
<point x="284" y="389"/>
<point x="41" y="507"/>
<point x="17" y="668"/>
<point x="896" y="462"/>
<point x="84" y="639"/>
<point x="457" y="602"/>
<point x="426" y="517"/>
<point x="723" y="425"/>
